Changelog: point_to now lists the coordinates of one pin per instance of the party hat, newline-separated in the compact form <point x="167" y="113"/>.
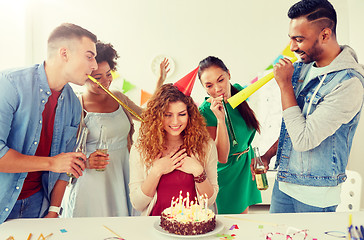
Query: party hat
<point x="186" y="83"/>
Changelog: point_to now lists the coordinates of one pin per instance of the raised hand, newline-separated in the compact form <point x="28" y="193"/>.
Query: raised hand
<point x="164" y="69"/>
<point x="283" y="72"/>
<point x="217" y="108"/>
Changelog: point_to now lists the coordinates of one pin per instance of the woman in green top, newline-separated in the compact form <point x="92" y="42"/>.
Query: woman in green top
<point x="237" y="189"/>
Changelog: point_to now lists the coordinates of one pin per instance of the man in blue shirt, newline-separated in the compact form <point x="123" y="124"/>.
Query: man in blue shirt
<point x="39" y="118"/>
<point x="322" y="97"/>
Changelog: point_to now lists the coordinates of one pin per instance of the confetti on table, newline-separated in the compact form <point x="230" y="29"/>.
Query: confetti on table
<point x="114" y="233"/>
<point x="234" y="227"/>
<point x="63" y="230"/>
<point x="49" y="235"/>
<point x="41" y="237"/>
<point x="226" y="236"/>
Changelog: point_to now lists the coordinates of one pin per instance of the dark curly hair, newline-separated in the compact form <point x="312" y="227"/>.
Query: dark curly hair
<point x="151" y="140"/>
<point x="320" y="11"/>
<point x="106" y="53"/>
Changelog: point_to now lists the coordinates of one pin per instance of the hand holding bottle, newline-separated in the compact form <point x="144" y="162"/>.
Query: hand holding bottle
<point x="98" y="160"/>
<point x="265" y="161"/>
<point x="80" y="148"/>
<point x="69" y="162"/>
<point x="102" y="147"/>
<point x="259" y="170"/>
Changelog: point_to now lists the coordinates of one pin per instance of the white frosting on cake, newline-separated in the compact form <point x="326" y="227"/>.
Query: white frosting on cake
<point x="188" y="218"/>
<point x="193" y="213"/>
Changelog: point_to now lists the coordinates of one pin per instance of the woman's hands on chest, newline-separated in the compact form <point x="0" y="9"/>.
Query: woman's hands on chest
<point x="177" y="160"/>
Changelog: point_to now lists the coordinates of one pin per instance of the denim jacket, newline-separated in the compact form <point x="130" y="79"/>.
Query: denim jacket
<point x="23" y="95"/>
<point x="321" y="162"/>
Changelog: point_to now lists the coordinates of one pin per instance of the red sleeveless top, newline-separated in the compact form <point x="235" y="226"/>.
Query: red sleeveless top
<point x="169" y="186"/>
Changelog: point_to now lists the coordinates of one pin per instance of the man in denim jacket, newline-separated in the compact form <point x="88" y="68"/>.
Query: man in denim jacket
<point x="39" y="117"/>
<point x="322" y="97"/>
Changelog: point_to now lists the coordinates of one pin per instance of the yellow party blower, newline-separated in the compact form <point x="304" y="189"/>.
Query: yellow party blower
<point x="114" y="97"/>
<point x="252" y="88"/>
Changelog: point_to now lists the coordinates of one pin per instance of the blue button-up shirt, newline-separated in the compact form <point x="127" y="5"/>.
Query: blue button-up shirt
<point x="23" y="95"/>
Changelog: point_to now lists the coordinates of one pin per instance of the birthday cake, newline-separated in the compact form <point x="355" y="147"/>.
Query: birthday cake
<point x="189" y="219"/>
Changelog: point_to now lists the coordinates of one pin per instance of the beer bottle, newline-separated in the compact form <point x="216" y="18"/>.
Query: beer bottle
<point x="102" y="144"/>
<point x="80" y="146"/>
<point x="260" y="176"/>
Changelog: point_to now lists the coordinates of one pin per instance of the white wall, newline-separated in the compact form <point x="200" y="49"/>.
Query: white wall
<point x="246" y="35"/>
<point x="356" y="37"/>
<point x="14" y="30"/>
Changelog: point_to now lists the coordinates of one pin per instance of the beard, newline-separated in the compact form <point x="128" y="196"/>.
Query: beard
<point x="312" y="54"/>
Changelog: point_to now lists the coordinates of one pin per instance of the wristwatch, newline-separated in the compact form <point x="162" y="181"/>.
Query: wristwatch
<point x="55" y="209"/>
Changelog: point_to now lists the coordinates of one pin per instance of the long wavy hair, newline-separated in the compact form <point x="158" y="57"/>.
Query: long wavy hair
<point x="244" y="109"/>
<point x="151" y="140"/>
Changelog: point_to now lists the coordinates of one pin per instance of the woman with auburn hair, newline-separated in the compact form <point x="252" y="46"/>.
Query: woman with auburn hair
<point x="233" y="167"/>
<point x="173" y="153"/>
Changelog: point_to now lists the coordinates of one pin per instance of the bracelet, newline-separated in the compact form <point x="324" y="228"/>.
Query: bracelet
<point x="200" y="178"/>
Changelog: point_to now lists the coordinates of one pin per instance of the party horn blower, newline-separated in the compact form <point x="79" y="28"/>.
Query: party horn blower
<point x="252" y="88"/>
<point x="230" y="126"/>
<point x="114" y="97"/>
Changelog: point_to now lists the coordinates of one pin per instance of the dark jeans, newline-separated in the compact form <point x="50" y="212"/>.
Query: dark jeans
<point x="27" y="208"/>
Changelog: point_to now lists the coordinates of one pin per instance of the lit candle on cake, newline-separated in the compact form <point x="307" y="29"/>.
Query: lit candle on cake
<point x="200" y="203"/>
<point x="183" y="204"/>
<point x="193" y="210"/>
<point x="172" y="202"/>
<point x="172" y="206"/>
<point x="206" y="200"/>
<point x="180" y="197"/>
<point x="188" y="200"/>
<point x="188" y="221"/>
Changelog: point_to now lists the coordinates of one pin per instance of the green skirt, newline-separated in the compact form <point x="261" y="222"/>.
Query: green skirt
<point x="237" y="190"/>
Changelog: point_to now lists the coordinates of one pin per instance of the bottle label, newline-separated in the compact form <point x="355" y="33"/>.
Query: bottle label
<point x="262" y="182"/>
<point x="103" y="151"/>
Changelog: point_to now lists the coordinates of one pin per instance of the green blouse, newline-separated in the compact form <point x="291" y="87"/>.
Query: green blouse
<point x="237" y="190"/>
